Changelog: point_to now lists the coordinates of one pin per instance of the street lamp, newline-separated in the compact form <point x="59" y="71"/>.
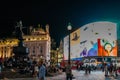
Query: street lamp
<point x="69" y="29"/>
<point x="68" y="68"/>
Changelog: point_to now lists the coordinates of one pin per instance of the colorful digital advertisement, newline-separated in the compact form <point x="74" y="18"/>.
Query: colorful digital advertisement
<point x="93" y="39"/>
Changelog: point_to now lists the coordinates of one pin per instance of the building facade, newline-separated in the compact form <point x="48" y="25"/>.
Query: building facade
<point x="38" y="43"/>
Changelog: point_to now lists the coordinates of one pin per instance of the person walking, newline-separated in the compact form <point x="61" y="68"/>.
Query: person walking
<point x="42" y="71"/>
<point x="111" y="69"/>
<point x="89" y="69"/>
<point x="115" y="70"/>
<point x="106" y="70"/>
<point x="68" y="72"/>
<point x="36" y="70"/>
<point x="86" y="69"/>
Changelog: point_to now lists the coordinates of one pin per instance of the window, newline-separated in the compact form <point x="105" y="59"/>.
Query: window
<point x="41" y="49"/>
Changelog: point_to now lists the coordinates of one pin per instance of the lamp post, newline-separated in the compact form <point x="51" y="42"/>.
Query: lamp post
<point x="57" y="56"/>
<point x="69" y="29"/>
<point x="68" y="69"/>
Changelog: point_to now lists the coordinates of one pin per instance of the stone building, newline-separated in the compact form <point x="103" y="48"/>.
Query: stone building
<point x="38" y="42"/>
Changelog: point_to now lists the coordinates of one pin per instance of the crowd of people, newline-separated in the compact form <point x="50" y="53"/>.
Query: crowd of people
<point x="109" y="68"/>
<point x="36" y="68"/>
<point x="40" y="69"/>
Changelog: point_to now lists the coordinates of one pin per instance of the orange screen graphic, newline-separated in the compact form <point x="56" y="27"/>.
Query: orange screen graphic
<point x="106" y="48"/>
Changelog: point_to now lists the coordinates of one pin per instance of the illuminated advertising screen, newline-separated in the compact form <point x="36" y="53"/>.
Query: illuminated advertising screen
<point x="87" y="40"/>
<point x="90" y="34"/>
<point x="75" y="44"/>
<point x="107" y="48"/>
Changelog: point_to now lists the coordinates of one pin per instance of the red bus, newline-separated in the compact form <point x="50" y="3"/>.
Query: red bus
<point x="74" y="63"/>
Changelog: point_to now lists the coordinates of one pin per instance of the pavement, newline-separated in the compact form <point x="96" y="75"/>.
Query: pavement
<point x="79" y="75"/>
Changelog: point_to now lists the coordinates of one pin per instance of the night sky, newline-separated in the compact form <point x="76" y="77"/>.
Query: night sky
<point x="56" y="13"/>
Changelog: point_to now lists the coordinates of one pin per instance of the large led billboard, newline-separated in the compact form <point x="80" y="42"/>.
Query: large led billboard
<point x="92" y="39"/>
